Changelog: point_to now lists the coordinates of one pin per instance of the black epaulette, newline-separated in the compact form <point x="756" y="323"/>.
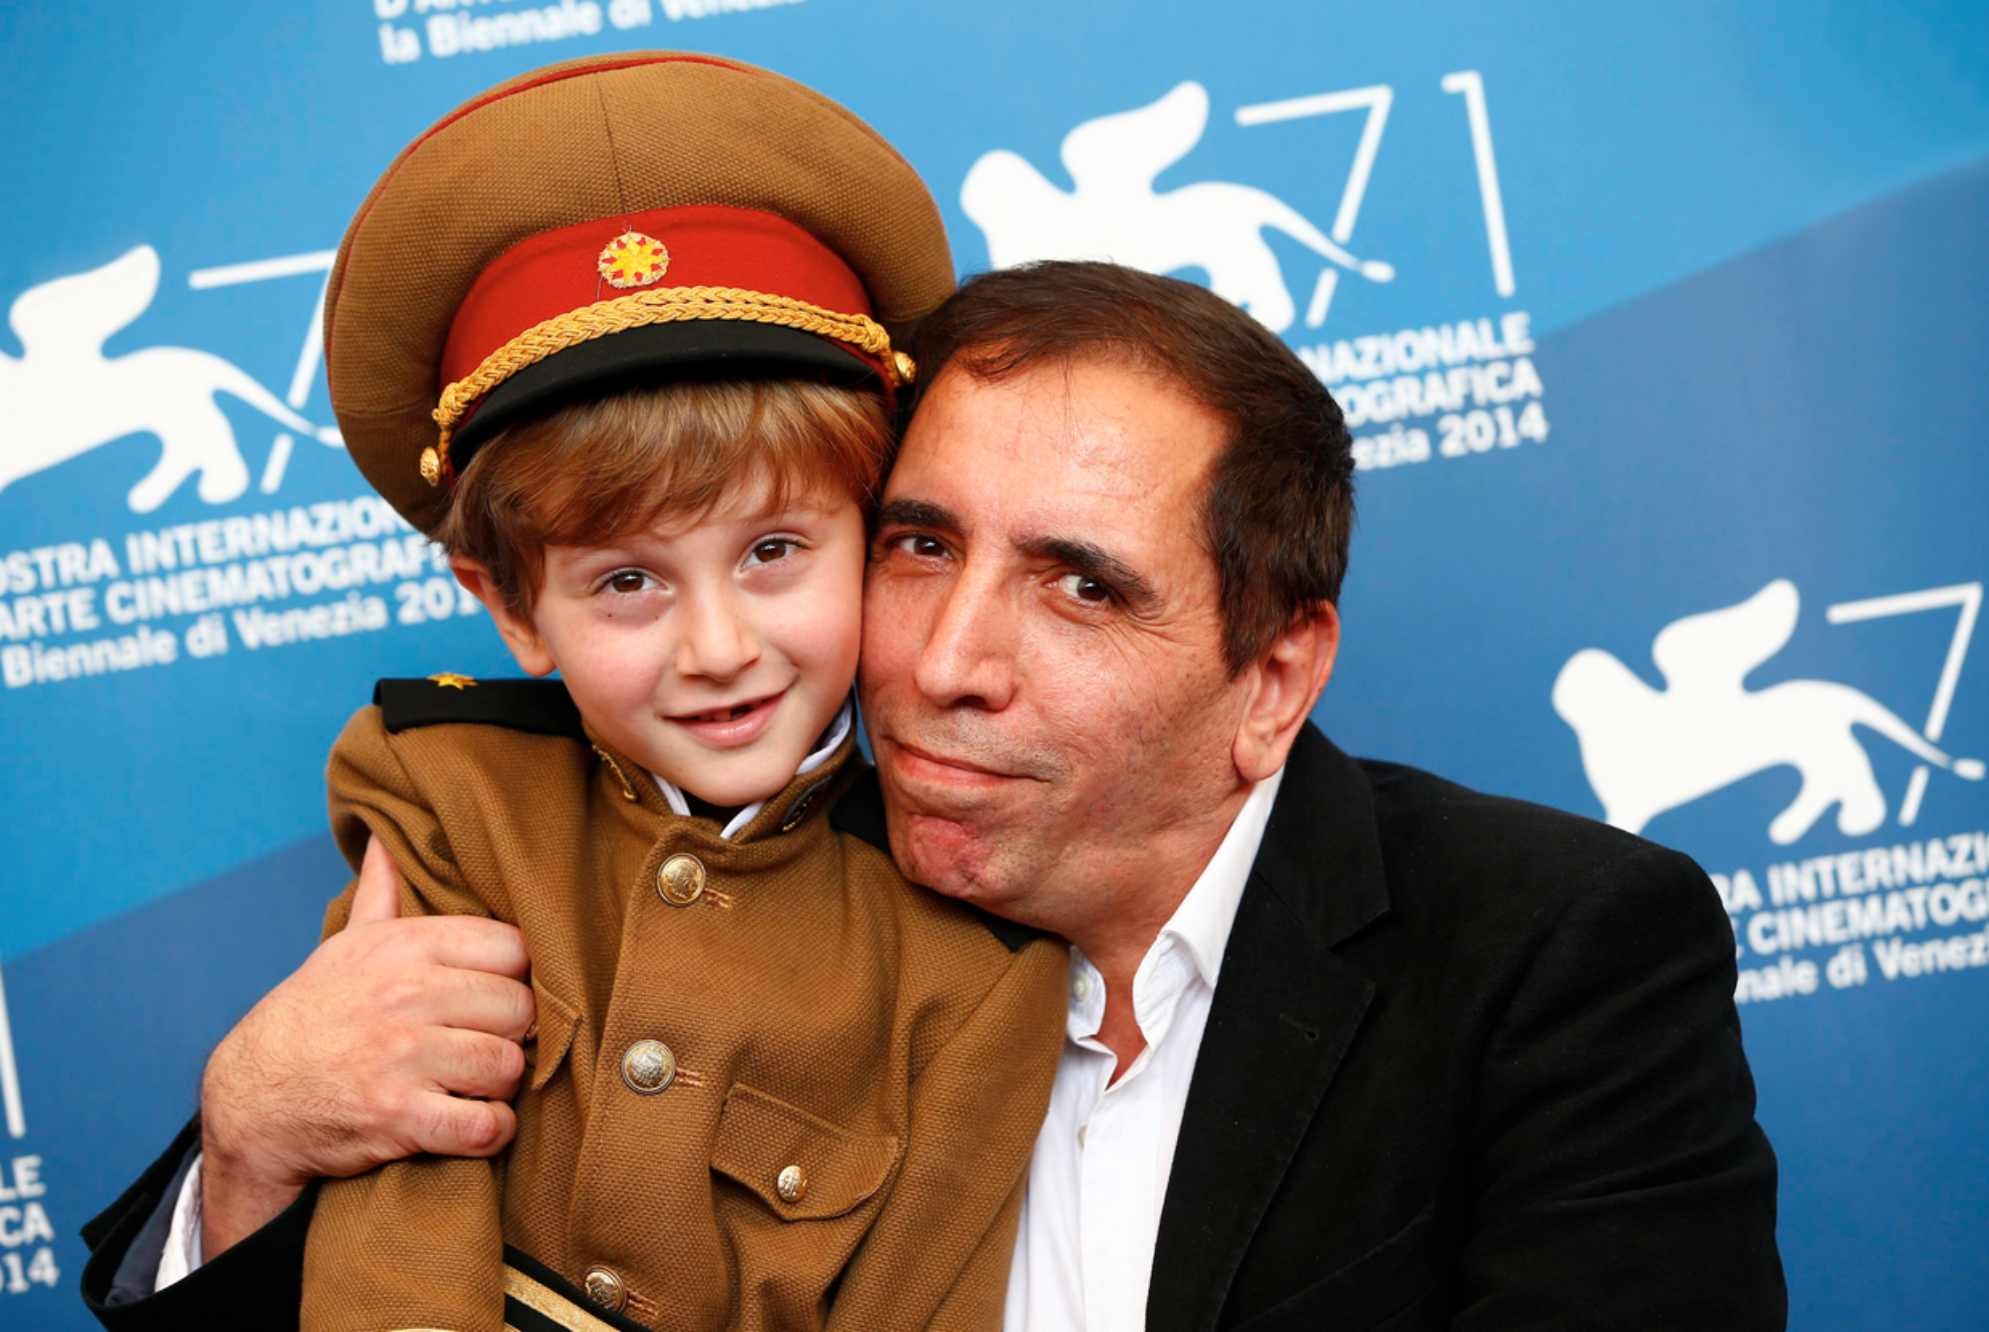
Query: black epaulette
<point x="540" y="706"/>
<point x="860" y="813"/>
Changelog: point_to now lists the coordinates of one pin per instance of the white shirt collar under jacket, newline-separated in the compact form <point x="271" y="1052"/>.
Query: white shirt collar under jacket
<point x="830" y="740"/>
<point x="1102" y="1161"/>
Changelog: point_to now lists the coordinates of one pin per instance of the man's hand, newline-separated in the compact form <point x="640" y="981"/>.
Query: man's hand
<point x="378" y="1047"/>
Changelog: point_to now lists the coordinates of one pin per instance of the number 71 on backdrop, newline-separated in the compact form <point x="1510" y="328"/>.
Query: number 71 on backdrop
<point x="1377" y="101"/>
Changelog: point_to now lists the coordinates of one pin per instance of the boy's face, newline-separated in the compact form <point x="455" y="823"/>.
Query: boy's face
<point x="715" y="650"/>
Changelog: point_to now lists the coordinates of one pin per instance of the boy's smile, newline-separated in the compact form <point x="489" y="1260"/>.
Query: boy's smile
<point x="714" y="650"/>
<point x="726" y="728"/>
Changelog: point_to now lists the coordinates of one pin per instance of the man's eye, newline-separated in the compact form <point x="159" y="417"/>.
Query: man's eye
<point x="627" y="580"/>
<point x="766" y="552"/>
<point x="1085" y="588"/>
<point x="925" y="547"/>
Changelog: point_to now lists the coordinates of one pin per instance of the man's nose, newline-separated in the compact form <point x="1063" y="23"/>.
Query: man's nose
<point x="718" y="640"/>
<point x="969" y="656"/>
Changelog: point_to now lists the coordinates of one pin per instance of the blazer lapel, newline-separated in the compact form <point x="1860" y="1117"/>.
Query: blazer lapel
<point x="1284" y="1014"/>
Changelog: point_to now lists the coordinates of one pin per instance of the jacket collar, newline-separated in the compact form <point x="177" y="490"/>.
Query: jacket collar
<point x="811" y="791"/>
<point x="831" y="742"/>
<point x="1280" y="1024"/>
<point x="1321" y="855"/>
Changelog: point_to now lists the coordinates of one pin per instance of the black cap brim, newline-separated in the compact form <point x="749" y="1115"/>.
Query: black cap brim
<point x="653" y="354"/>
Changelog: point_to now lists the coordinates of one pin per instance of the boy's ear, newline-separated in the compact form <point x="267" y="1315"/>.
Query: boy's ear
<point x="1280" y="688"/>
<point x="518" y="631"/>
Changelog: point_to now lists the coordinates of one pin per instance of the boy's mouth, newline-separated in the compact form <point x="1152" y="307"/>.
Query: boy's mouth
<point x="733" y="713"/>
<point x="733" y="724"/>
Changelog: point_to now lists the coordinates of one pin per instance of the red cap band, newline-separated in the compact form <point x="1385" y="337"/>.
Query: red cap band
<point x="557" y="272"/>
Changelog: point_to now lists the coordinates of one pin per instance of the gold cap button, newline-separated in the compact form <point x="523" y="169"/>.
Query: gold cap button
<point x="791" y="1184"/>
<point x="648" y="1067"/>
<point x="680" y="881"/>
<point x="604" y="1287"/>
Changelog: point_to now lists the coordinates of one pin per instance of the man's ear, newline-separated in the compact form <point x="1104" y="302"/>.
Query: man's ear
<point x="1280" y="688"/>
<point x="518" y="631"/>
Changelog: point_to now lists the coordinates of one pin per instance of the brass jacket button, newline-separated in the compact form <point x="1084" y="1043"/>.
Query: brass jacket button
<point x="791" y="1184"/>
<point x="680" y="880"/>
<point x="604" y="1287"/>
<point x="648" y="1067"/>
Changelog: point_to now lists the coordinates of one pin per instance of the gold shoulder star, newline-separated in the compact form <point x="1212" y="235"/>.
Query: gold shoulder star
<point x="451" y="680"/>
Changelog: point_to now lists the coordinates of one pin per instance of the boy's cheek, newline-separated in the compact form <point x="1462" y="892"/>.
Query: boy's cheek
<point x="826" y="627"/>
<point x="613" y="679"/>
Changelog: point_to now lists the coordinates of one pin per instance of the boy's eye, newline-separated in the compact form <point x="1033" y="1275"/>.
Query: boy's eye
<point x="1085" y="588"/>
<point x="627" y="580"/>
<point x="774" y="548"/>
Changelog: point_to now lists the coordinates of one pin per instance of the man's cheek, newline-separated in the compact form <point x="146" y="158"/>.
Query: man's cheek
<point x="895" y="627"/>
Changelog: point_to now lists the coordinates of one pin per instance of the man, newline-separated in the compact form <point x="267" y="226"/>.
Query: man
<point x="1348" y="1046"/>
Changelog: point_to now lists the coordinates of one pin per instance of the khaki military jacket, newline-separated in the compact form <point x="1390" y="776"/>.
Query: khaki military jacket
<point x="772" y="1086"/>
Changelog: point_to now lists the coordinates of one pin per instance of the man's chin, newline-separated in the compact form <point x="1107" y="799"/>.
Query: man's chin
<point x="959" y="840"/>
<point x="944" y="854"/>
<point x="950" y="856"/>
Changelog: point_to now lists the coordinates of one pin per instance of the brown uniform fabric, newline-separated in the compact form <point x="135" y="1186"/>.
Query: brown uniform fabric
<point x="824" y="1013"/>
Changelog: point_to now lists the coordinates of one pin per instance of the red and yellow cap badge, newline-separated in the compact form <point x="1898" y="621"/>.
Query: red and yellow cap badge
<point x="633" y="260"/>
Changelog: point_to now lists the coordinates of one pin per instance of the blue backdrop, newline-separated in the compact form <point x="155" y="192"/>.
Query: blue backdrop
<point x="1662" y="333"/>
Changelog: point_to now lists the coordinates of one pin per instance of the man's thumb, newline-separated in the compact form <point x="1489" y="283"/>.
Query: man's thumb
<point x="379" y="895"/>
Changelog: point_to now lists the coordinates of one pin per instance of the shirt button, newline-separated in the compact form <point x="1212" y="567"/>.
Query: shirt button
<point x="648" y="1067"/>
<point x="1080" y="986"/>
<point x="680" y="881"/>
<point x="604" y="1286"/>
<point x="791" y="1184"/>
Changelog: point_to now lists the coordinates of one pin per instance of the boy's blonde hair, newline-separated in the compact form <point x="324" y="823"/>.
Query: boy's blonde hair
<point x="601" y="468"/>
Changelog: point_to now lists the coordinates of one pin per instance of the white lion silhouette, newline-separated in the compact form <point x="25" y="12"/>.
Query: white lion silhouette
<point x="1648" y="750"/>
<point x="1114" y="212"/>
<point x="63" y="397"/>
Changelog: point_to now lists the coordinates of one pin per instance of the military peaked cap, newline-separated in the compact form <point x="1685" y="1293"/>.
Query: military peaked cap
<point x="617" y="217"/>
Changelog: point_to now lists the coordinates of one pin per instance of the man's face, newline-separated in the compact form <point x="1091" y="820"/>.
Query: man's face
<point x="1043" y="673"/>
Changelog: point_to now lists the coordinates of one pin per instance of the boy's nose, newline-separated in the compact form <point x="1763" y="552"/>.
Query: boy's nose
<point x="717" y="642"/>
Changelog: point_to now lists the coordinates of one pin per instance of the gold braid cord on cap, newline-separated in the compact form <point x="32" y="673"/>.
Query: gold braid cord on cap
<point x="667" y="305"/>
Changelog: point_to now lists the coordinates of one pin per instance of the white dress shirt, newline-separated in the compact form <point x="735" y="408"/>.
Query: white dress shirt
<point x="1099" y="1174"/>
<point x="183" y="1246"/>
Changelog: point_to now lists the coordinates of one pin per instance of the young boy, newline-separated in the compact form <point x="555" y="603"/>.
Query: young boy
<point x="772" y="1085"/>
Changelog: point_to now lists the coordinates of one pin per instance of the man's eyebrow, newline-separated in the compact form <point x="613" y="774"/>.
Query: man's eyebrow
<point x="917" y="513"/>
<point x="1094" y="562"/>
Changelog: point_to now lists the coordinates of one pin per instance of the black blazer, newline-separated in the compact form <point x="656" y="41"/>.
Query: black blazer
<point x="1472" y="1064"/>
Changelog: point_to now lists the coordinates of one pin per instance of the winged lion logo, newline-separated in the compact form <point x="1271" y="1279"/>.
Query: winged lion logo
<point x="1115" y="213"/>
<point x="62" y="397"/>
<point x="1650" y="750"/>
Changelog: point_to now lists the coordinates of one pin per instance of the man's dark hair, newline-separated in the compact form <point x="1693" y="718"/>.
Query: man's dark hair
<point x="1280" y="503"/>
